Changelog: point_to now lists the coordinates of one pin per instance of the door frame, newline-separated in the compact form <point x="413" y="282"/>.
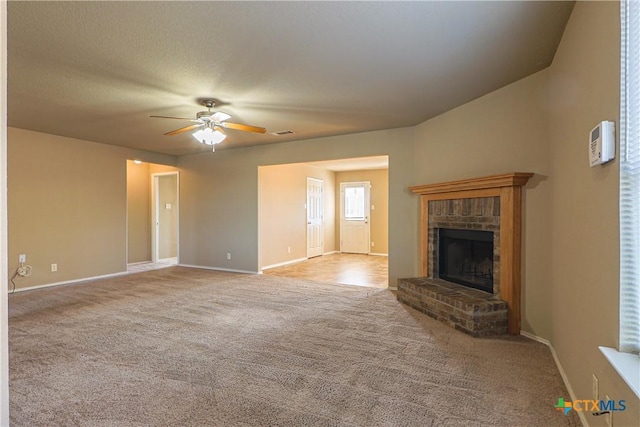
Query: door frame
<point x="322" y="215"/>
<point x="367" y="202"/>
<point x="155" y="214"/>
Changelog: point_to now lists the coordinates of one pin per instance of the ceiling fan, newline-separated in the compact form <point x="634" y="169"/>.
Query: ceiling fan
<point x="212" y="124"/>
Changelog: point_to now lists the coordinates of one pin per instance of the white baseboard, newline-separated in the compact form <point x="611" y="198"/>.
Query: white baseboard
<point x="370" y="253"/>
<point x="546" y="342"/>
<point x="281" y="264"/>
<point x="69" y="282"/>
<point x="535" y="338"/>
<point x="123" y="273"/>
<point x="230" y="270"/>
<point x="331" y="252"/>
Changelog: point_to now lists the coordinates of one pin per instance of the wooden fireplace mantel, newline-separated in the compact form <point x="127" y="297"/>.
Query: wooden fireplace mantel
<point x="509" y="188"/>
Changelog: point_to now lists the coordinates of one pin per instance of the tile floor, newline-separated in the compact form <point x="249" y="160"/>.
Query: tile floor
<point x="146" y="266"/>
<point x="348" y="269"/>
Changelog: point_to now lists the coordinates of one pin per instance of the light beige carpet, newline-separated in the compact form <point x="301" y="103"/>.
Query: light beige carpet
<point x="189" y="347"/>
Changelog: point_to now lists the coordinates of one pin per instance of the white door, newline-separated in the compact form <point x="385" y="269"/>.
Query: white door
<point x="354" y="217"/>
<point x="315" y="225"/>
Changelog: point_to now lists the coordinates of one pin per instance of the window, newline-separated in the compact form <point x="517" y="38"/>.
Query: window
<point x="630" y="178"/>
<point x="626" y="361"/>
<point x="354" y="203"/>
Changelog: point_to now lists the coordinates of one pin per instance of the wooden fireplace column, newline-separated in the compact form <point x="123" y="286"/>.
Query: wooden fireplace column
<point x="509" y="188"/>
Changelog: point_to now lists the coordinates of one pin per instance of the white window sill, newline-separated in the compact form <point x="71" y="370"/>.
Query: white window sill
<point x="627" y="365"/>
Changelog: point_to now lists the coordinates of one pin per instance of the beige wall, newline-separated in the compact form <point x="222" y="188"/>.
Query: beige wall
<point x="67" y="205"/>
<point x="379" y="217"/>
<point x="584" y="208"/>
<point x="138" y="212"/>
<point x="282" y="215"/>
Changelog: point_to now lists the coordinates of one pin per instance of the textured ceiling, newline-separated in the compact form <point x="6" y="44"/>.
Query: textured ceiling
<point x="98" y="70"/>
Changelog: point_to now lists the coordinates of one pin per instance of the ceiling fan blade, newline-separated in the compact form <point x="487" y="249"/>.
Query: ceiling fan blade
<point x="219" y="117"/>
<point x="184" y="129"/>
<point x="247" y="128"/>
<point x="175" y="118"/>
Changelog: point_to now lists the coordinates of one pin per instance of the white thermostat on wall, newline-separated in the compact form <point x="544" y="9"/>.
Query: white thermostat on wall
<point x="602" y="143"/>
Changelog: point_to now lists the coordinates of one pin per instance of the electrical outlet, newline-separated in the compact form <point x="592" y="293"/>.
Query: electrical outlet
<point x="228" y="255"/>
<point x="608" y="417"/>
<point x="594" y="387"/>
<point x="22" y="258"/>
<point x="289" y="249"/>
<point x="54" y="268"/>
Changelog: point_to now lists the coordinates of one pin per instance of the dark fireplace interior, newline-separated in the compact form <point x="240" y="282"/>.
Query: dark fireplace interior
<point x="466" y="257"/>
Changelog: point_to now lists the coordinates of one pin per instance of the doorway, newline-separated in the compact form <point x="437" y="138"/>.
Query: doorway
<point x="315" y="217"/>
<point x="354" y="217"/>
<point x="142" y="187"/>
<point x="165" y="217"/>
<point x="284" y="234"/>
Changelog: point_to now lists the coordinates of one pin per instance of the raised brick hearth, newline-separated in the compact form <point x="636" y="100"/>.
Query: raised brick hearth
<point x="492" y="204"/>
<point x="468" y="310"/>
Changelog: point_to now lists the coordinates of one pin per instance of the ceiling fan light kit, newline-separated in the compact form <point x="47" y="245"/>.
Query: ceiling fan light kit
<point x="213" y="123"/>
<point x="209" y="136"/>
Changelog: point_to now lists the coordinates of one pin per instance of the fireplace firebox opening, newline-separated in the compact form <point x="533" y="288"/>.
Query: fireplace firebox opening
<point x="466" y="257"/>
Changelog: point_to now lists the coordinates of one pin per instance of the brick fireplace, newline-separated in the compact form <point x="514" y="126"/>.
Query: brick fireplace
<point x="474" y="214"/>
<point x="490" y="204"/>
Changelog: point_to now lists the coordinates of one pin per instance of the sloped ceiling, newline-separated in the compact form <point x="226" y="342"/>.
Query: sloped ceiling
<point x="97" y="70"/>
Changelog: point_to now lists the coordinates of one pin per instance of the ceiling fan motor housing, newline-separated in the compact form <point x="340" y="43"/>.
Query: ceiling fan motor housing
<point x="209" y="103"/>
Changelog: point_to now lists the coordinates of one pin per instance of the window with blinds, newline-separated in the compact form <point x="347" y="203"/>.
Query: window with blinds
<point x="630" y="178"/>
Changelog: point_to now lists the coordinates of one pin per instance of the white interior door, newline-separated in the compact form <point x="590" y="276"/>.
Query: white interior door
<point x="315" y="224"/>
<point x="354" y="217"/>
